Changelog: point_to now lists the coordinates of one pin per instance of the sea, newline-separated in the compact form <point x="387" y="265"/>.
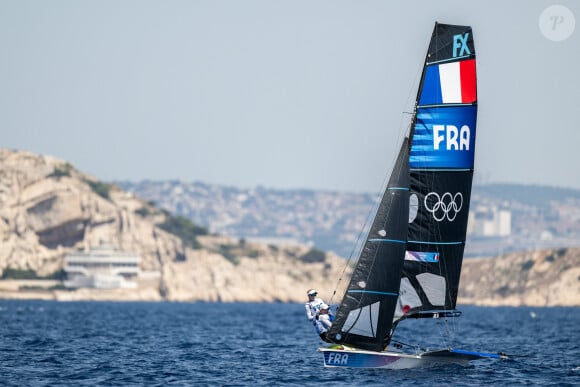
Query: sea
<point x="44" y="343"/>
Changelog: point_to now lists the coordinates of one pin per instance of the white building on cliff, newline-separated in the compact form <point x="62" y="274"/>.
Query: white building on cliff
<point x="102" y="267"/>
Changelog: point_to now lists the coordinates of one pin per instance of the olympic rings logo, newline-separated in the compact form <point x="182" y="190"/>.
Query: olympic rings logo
<point x="446" y="206"/>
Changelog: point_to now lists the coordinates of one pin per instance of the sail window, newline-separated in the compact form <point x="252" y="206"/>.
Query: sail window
<point x="408" y="298"/>
<point x="363" y="321"/>
<point x="413" y="207"/>
<point x="434" y="287"/>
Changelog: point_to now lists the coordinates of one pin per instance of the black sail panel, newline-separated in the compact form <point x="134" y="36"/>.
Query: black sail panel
<point x="436" y="241"/>
<point x="450" y="42"/>
<point x="365" y="316"/>
<point x="443" y="199"/>
<point x="441" y="172"/>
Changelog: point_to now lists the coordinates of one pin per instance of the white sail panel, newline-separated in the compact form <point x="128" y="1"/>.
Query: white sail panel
<point x="408" y="299"/>
<point x="413" y="207"/>
<point x="434" y="287"/>
<point x="450" y="82"/>
<point x="363" y="321"/>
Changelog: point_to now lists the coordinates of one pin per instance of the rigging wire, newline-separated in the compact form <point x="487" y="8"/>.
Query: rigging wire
<point x="352" y="253"/>
<point x="365" y="230"/>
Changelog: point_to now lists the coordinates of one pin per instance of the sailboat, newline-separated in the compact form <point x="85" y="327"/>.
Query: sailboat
<point x="410" y="264"/>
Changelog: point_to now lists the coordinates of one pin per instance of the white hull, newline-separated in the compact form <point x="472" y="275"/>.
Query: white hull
<point x="341" y="356"/>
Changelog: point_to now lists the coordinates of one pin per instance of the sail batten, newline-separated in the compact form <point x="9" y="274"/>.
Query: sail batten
<point x="387" y="240"/>
<point x="436" y="243"/>
<point x="442" y="169"/>
<point x="450" y="59"/>
<point x="373" y="292"/>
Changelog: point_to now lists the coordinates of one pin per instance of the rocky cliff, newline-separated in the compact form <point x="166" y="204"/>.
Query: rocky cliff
<point x="535" y="278"/>
<point x="48" y="208"/>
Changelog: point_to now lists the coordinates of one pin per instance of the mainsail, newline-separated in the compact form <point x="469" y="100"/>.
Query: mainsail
<point x="411" y="260"/>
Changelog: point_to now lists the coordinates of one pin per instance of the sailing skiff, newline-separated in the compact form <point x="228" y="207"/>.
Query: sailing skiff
<point x="410" y="264"/>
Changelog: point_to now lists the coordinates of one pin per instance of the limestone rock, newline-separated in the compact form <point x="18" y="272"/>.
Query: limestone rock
<point x="533" y="278"/>
<point x="48" y="208"/>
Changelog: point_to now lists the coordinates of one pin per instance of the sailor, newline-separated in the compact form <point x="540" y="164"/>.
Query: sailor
<point x="325" y="317"/>
<point x="313" y="307"/>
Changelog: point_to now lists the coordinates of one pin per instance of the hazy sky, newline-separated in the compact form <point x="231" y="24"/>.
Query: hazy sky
<point x="282" y="94"/>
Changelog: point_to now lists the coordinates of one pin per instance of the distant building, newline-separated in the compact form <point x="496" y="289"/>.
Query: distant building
<point x="490" y="222"/>
<point x="102" y="267"/>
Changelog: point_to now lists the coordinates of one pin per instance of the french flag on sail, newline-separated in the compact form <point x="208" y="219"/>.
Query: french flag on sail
<point x="453" y="82"/>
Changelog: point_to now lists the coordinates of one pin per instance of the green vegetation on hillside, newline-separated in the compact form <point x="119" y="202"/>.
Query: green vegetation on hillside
<point x="101" y="189"/>
<point x="313" y="256"/>
<point x="143" y="212"/>
<point x="528" y="265"/>
<point x="61" y="171"/>
<point x="150" y="209"/>
<point x="233" y="252"/>
<point x="19" y="274"/>
<point x="184" y="229"/>
<point x="28" y="274"/>
<point x="227" y="252"/>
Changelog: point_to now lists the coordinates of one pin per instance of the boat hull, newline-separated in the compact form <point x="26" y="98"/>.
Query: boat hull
<point x="354" y="358"/>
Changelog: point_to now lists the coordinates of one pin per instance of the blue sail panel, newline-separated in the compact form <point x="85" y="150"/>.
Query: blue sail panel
<point x="431" y="93"/>
<point x="444" y="138"/>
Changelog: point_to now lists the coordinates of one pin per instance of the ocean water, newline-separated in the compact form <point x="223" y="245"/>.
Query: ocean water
<point x="115" y="344"/>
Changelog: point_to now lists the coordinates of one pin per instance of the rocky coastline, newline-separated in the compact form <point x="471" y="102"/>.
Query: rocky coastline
<point x="49" y="209"/>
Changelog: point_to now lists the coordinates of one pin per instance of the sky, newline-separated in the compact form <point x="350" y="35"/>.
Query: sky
<point x="280" y="94"/>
